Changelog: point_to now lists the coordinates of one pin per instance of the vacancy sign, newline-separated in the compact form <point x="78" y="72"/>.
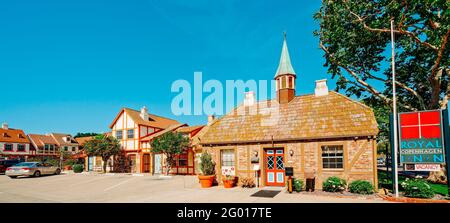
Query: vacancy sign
<point x="421" y="137"/>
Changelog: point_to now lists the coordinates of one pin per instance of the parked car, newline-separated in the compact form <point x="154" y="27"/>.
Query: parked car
<point x="4" y="164"/>
<point x="32" y="169"/>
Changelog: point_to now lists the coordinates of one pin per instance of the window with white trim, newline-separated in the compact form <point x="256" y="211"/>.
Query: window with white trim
<point x="130" y="134"/>
<point x="8" y="147"/>
<point x="227" y="158"/>
<point x="119" y="134"/>
<point x="333" y="157"/>
<point x="20" y="148"/>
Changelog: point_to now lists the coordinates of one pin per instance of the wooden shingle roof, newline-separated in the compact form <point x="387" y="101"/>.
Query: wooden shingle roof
<point x="153" y="120"/>
<point x="13" y="136"/>
<point x="305" y="117"/>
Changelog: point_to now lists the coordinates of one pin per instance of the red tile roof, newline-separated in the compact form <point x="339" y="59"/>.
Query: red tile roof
<point x="13" y="136"/>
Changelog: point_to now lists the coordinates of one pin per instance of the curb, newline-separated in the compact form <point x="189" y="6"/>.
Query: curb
<point x="413" y="200"/>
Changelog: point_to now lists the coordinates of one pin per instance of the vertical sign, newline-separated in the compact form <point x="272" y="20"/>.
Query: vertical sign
<point x="421" y="137"/>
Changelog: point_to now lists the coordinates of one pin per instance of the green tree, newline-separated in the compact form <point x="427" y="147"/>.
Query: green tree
<point x="81" y="134"/>
<point x="355" y="38"/>
<point x="103" y="146"/>
<point x="170" y="144"/>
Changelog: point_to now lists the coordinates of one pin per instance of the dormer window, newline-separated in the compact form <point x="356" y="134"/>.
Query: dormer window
<point x="6" y="135"/>
<point x="21" y="136"/>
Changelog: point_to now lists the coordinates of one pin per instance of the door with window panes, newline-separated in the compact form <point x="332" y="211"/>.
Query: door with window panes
<point x="274" y="166"/>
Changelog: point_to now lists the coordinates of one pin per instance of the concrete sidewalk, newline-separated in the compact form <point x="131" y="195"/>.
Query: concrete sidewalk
<point x="94" y="188"/>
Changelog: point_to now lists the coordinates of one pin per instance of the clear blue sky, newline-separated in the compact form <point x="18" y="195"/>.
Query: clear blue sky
<point x="69" y="66"/>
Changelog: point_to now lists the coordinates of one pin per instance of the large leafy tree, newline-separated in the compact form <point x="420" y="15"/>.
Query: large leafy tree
<point x="170" y="144"/>
<point x="103" y="146"/>
<point x="355" y="37"/>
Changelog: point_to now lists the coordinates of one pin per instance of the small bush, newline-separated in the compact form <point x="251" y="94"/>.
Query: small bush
<point x="334" y="184"/>
<point x="361" y="187"/>
<point x="417" y="188"/>
<point x="247" y="182"/>
<point x="298" y="185"/>
<point x="78" y="168"/>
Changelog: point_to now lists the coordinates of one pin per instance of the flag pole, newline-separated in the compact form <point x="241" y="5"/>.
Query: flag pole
<point x="394" y="108"/>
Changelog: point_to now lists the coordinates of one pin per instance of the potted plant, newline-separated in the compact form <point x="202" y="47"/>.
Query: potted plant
<point x="68" y="164"/>
<point x="207" y="167"/>
<point x="228" y="181"/>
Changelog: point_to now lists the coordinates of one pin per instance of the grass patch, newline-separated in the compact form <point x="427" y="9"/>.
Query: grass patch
<point x="386" y="182"/>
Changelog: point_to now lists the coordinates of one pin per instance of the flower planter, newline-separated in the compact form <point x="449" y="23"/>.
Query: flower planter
<point x="206" y="181"/>
<point x="228" y="183"/>
<point x="68" y="167"/>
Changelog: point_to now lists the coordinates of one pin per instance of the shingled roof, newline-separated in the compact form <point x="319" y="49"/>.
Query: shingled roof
<point x="13" y="136"/>
<point x="153" y="120"/>
<point x="305" y="117"/>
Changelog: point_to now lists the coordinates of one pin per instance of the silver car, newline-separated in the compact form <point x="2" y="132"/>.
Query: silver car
<point x="32" y="169"/>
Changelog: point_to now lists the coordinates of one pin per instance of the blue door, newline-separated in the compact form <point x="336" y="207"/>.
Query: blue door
<point x="90" y="163"/>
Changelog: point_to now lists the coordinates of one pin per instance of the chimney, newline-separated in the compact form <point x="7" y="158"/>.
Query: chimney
<point x="211" y="118"/>
<point x="5" y="126"/>
<point x="144" y="113"/>
<point x="249" y="99"/>
<point x="321" y="88"/>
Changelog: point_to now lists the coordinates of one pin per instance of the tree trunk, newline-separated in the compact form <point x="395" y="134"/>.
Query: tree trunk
<point x="168" y="165"/>
<point x="438" y="176"/>
<point x="105" y="162"/>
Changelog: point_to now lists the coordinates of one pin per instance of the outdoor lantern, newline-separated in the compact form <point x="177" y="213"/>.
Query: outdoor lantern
<point x="256" y="153"/>
<point x="291" y="152"/>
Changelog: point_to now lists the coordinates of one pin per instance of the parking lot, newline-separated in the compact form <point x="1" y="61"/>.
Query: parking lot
<point x="94" y="188"/>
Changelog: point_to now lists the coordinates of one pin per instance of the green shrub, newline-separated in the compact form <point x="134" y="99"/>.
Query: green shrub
<point x="206" y="164"/>
<point x="361" y="187"/>
<point x="78" y="168"/>
<point x="417" y="188"/>
<point x="334" y="184"/>
<point x="297" y="184"/>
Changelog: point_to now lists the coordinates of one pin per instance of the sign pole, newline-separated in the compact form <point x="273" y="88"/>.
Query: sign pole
<point x="394" y="105"/>
<point x="445" y="120"/>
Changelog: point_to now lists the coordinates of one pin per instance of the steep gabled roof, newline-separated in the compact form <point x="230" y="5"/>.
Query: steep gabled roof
<point x="13" y="136"/>
<point x="58" y="137"/>
<point x="305" y="117"/>
<point x="153" y="120"/>
<point x="41" y="140"/>
<point x="162" y="132"/>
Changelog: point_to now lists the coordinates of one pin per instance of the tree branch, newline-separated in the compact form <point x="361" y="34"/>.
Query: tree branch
<point x="435" y="76"/>
<point x="384" y="30"/>
<point x="362" y="84"/>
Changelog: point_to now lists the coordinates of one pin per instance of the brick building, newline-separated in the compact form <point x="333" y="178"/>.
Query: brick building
<point x="322" y="134"/>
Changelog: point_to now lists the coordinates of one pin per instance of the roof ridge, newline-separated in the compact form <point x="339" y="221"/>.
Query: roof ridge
<point x="150" y="114"/>
<point x="354" y="101"/>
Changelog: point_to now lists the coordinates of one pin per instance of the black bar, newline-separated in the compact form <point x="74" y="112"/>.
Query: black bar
<point x="445" y="122"/>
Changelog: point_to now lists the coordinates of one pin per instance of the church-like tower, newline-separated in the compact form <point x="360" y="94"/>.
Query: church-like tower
<point x="285" y="77"/>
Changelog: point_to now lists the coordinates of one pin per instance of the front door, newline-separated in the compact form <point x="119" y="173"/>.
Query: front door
<point x="146" y="163"/>
<point x="132" y="160"/>
<point x="90" y="163"/>
<point x="158" y="164"/>
<point x="274" y="165"/>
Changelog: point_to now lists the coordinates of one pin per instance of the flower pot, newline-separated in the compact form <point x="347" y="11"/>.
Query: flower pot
<point x="206" y="181"/>
<point x="68" y="167"/>
<point x="228" y="183"/>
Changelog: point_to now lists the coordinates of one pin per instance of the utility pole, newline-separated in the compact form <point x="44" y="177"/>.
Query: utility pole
<point x="394" y="105"/>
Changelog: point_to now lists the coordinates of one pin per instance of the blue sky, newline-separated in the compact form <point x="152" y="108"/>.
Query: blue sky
<point x="69" y="66"/>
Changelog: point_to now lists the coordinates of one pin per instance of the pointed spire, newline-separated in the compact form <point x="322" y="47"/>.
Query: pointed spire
<point x="285" y="66"/>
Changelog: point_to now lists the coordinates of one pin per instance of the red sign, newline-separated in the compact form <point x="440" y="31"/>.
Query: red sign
<point x="421" y="137"/>
<point x="420" y="125"/>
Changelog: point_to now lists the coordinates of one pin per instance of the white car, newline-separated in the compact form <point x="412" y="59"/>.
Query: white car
<point x="32" y="169"/>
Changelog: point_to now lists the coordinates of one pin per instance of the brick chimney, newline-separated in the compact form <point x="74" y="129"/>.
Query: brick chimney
<point x="321" y="88"/>
<point x="5" y="126"/>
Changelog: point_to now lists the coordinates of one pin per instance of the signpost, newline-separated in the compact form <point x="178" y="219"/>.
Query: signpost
<point x="423" y="138"/>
